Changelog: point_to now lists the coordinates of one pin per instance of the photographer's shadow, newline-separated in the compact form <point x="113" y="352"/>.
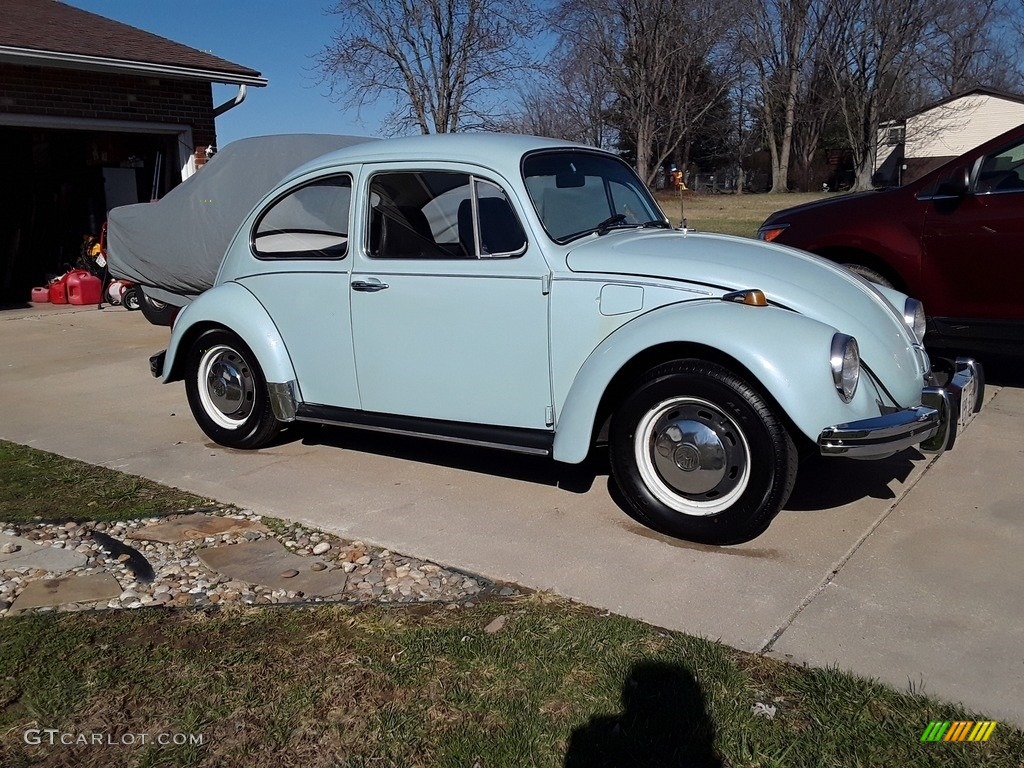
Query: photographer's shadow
<point x="663" y="724"/>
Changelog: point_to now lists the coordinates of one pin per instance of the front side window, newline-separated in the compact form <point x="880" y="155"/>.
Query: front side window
<point x="576" y="193"/>
<point x="440" y="215"/>
<point x="310" y="222"/>
<point x="1002" y="171"/>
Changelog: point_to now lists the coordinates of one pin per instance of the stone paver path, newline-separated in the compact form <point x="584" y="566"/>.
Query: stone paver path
<point x="205" y="559"/>
<point x="19" y="552"/>
<point x="66" y="591"/>
<point x="268" y="562"/>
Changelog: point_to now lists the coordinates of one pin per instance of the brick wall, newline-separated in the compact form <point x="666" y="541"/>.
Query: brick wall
<point x="70" y="93"/>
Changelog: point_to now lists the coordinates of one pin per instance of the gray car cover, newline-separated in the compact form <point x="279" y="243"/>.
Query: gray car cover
<point x="176" y="244"/>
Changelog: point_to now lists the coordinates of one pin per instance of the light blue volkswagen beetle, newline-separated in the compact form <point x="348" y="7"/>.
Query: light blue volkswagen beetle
<point x="526" y="294"/>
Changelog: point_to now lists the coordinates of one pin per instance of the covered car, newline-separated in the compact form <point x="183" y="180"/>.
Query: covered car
<point x="173" y="247"/>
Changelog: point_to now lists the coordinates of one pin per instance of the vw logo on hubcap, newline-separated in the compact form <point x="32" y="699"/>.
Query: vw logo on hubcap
<point x="687" y="458"/>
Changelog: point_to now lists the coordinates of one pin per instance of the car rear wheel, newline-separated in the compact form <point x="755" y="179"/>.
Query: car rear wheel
<point x="157" y="312"/>
<point x="699" y="454"/>
<point x="228" y="393"/>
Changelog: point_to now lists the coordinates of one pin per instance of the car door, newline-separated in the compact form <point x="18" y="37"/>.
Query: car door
<point x="974" y="244"/>
<point x="449" y="302"/>
<point x="300" y="273"/>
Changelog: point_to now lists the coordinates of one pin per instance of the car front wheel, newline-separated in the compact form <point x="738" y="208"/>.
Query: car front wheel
<point x="227" y="392"/>
<point x="869" y="274"/>
<point x="700" y="455"/>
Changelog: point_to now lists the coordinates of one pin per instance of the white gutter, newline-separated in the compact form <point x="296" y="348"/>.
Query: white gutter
<point x="30" y="56"/>
<point x="232" y="103"/>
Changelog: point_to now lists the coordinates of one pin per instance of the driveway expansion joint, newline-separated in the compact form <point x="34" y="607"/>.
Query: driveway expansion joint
<point x="829" y="578"/>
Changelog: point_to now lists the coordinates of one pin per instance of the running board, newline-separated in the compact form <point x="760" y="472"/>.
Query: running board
<point x="535" y="442"/>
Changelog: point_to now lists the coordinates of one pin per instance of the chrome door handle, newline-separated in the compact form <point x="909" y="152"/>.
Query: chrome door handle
<point x="370" y="286"/>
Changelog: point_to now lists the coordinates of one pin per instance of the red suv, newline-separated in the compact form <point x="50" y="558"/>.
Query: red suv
<point x="953" y="239"/>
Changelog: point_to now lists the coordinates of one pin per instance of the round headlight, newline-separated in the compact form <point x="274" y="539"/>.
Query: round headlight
<point x="845" y="361"/>
<point x="913" y="316"/>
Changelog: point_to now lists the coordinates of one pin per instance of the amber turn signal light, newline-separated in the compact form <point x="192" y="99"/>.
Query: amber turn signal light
<point x="752" y="297"/>
<point x="770" y="234"/>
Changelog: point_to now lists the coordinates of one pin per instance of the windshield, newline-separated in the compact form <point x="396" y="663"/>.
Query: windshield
<point x="576" y="193"/>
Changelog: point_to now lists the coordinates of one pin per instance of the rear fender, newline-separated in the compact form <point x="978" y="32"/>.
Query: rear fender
<point x="230" y="306"/>
<point x="786" y="353"/>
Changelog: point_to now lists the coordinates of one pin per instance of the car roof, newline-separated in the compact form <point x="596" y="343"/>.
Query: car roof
<point x="499" y="151"/>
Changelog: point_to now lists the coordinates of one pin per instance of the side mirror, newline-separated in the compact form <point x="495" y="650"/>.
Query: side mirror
<point x="954" y="186"/>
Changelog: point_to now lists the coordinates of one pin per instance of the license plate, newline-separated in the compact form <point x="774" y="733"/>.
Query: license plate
<point x="967" y="397"/>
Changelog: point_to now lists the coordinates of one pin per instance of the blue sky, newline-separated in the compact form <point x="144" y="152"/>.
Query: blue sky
<point x="280" y="39"/>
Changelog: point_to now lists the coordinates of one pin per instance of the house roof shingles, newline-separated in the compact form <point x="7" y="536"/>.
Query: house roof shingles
<point x="49" y="26"/>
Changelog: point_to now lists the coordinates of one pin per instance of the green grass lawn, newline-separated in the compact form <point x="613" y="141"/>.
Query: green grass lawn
<point x="35" y="485"/>
<point x="557" y="685"/>
<point x="730" y="214"/>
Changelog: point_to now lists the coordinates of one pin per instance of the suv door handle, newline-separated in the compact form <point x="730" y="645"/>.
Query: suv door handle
<point x="370" y="286"/>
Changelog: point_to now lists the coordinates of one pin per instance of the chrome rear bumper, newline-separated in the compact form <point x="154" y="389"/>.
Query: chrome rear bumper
<point x="156" y="363"/>
<point x="932" y="426"/>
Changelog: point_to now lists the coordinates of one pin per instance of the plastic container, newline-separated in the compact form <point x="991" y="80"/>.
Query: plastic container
<point x="84" y="288"/>
<point x="59" y="290"/>
<point x="115" y="292"/>
<point x="41" y="295"/>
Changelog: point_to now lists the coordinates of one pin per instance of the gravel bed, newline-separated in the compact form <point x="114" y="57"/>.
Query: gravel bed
<point x="182" y="580"/>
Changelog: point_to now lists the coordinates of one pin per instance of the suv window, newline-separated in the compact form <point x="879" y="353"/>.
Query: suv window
<point x="441" y="215"/>
<point x="310" y="222"/>
<point x="1002" y="171"/>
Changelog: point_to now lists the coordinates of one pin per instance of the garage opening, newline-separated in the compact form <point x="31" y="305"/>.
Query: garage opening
<point x="56" y="189"/>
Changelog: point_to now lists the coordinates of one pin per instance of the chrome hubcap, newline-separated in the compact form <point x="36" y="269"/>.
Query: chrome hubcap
<point x="226" y="386"/>
<point x="692" y="456"/>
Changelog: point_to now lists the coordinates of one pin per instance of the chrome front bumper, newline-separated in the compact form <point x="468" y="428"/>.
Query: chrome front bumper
<point x="932" y="426"/>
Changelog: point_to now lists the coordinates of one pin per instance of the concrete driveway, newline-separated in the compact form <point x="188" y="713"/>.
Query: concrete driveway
<point x="905" y="570"/>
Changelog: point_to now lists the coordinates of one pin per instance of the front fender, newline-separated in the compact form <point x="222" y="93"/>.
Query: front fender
<point x="787" y="353"/>
<point x="231" y="306"/>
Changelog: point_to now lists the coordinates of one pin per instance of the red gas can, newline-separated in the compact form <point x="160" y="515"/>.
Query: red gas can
<point x="59" y="290"/>
<point x="84" y="288"/>
<point x="40" y="295"/>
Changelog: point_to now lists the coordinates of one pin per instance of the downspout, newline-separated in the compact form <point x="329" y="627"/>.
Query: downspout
<point x="239" y="98"/>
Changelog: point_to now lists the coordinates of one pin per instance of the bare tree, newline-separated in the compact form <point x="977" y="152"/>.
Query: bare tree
<point x="873" y="67"/>
<point x="442" y="61"/>
<point x="571" y="101"/>
<point x="776" y="36"/>
<point x="655" y="55"/>
<point x="816" y="110"/>
<point x="973" y="46"/>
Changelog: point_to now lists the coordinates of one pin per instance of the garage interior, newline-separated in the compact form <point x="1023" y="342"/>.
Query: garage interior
<point x="57" y="188"/>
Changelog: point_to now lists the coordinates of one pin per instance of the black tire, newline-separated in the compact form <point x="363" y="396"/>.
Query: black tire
<point x="729" y="490"/>
<point x="157" y="312"/>
<point x="870" y="274"/>
<point x="130" y="299"/>
<point x="228" y="393"/>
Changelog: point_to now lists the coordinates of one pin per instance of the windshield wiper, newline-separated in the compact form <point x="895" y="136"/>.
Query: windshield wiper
<point x="611" y="221"/>
<point x="659" y="223"/>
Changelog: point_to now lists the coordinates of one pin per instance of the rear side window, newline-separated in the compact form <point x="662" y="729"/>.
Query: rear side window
<point x="310" y="222"/>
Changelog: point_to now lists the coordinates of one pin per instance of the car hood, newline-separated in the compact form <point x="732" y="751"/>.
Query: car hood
<point x="845" y="203"/>
<point x="789" y="278"/>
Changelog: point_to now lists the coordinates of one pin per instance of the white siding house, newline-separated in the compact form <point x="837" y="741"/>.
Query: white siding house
<point x="924" y="140"/>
